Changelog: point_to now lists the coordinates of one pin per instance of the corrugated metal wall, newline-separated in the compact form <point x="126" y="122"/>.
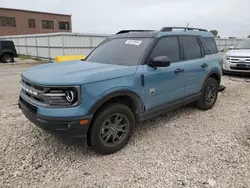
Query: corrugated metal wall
<point x="226" y="43"/>
<point x="47" y="46"/>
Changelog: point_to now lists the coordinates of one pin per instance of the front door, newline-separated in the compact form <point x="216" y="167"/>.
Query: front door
<point x="164" y="85"/>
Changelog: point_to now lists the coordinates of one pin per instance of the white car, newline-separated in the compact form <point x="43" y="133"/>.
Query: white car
<point x="237" y="60"/>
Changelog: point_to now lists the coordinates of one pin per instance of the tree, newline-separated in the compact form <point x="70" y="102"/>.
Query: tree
<point x="215" y="32"/>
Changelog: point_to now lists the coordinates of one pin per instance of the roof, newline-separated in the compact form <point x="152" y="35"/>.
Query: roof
<point x="2" y="40"/>
<point x="32" y="11"/>
<point x="163" y="32"/>
<point x="179" y="33"/>
<point x="134" y="33"/>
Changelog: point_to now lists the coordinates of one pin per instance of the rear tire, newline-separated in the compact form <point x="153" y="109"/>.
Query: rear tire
<point x="209" y="94"/>
<point x="112" y="128"/>
<point x="7" y="58"/>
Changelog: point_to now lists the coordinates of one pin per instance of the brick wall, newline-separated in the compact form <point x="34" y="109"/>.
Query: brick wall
<point x="22" y="26"/>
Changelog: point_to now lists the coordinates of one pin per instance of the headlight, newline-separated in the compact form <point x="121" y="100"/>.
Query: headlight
<point x="63" y="96"/>
<point x="71" y="96"/>
<point x="227" y="57"/>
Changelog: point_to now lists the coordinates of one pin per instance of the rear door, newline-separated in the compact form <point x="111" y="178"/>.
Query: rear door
<point x="196" y="64"/>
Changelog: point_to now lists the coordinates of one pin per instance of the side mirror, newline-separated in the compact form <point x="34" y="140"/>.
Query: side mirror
<point x="159" y="61"/>
<point x="231" y="47"/>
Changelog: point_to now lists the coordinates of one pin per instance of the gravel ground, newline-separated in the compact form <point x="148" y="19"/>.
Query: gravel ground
<point x="184" y="148"/>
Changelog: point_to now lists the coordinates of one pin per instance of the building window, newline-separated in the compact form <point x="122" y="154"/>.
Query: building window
<point x="8" y="21"/>
<point x="47" y="24"/>
<point x="32" y="23"/>
<point x="64" y="26"/>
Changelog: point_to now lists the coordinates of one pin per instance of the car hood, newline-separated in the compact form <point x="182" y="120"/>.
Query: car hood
<point x="75" y="73"/>
<point x="239" y="53"/>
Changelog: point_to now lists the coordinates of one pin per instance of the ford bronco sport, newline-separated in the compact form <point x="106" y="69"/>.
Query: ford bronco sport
<point x="131" y="76"/>
<point x="7" y="51"/>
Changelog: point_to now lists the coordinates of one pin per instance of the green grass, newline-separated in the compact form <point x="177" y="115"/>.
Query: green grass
<point x="24" y="57"/>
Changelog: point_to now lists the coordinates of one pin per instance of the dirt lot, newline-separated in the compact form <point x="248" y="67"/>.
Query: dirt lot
<point x="184" y="148"/>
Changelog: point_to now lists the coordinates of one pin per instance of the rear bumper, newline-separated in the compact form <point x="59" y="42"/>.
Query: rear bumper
<point x="65" y="128"/>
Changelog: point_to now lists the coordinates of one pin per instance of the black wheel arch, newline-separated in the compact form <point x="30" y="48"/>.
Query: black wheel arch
<point x="216" y="74"/>
<point x="134" y="97"/>
<point x="6" y="53"/>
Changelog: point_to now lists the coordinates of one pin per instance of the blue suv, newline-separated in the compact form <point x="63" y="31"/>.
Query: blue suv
<point x="131" y="76"/>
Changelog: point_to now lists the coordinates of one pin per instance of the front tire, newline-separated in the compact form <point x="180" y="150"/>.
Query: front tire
<point x="209" y="94"/>
<point x="112" y="128"/>
<point x="7" y="58"/>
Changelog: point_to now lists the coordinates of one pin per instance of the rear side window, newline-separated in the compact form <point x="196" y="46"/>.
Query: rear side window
<point x="211" y="42"/>
<point x="7" y="44"/>
<point x="192" y="49"/>
<point x="168" y="46"/>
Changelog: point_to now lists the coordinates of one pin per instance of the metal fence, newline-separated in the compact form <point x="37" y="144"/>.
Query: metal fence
<point x="47" y="46"/>
<point x="226" y="43"/>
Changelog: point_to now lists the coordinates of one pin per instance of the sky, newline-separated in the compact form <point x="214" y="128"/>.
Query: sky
<point x="230" y="17"/>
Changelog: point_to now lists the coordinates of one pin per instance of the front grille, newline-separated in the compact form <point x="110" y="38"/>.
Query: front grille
<point x="34" y="88"/>
<point x="33" y="85"/>
<point x="237" y="59"/>
<point x="48" y="95"/>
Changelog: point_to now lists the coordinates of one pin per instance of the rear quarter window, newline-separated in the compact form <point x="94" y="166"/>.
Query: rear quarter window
<point x="211" y="43"/>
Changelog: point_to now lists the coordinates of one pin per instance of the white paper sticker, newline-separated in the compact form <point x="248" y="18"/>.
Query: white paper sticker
<point x="133" y="42"/>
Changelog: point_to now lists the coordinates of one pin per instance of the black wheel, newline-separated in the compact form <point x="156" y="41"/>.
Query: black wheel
<point x="112" y="128"/>
<point x="209" y="94"/>
<point x="7" y="58"/>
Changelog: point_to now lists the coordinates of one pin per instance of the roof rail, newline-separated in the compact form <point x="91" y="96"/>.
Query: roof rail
<point x="128" y="31"/>
<point x="165" y="29"/>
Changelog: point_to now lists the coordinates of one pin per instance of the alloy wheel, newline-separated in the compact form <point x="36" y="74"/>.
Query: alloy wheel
<point x="114" y="129"/>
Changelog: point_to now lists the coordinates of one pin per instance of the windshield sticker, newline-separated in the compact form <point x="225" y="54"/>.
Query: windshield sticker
<point x="133" y="42"/>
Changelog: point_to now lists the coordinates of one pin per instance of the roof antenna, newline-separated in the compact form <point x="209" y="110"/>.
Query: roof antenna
<point x="186" y="27"/>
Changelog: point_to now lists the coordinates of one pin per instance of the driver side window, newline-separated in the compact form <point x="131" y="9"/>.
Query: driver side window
<point x="167" y="46"/>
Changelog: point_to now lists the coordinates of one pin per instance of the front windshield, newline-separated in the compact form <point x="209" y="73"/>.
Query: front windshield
<point x="120" y="51"/>
<point x="244" y="44"/>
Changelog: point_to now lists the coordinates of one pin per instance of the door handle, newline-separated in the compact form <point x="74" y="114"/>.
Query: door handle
<point x="179" y="70"/>
<point x="204" y="65"/>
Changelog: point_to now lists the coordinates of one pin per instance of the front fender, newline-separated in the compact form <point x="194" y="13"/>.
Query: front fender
<point x="96" y="94"/>
<point x="115" y="93"/>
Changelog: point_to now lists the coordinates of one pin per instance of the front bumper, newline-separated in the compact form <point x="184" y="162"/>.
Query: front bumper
<point x="231" y="68"/>
<point x="65" y="128"/>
